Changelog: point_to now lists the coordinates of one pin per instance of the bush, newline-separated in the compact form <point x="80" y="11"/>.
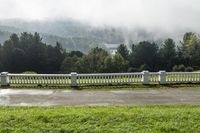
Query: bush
<point x="144" y="67"/>
<point x="175" y="68"/>
<point x="179" y="68"/>
<point x="29" y="72"/>
<point x="195" y="67"/>
<point x="132" y="69"/>
<point x="189" y="69"/>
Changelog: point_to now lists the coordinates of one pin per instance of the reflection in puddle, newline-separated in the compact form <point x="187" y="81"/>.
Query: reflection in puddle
<point x="27" y="92"/>
<point x="135" y="92"/>
<point x="98" y="104"/>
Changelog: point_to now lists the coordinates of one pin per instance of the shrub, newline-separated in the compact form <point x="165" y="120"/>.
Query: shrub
<point x="179" y="68"/>
<point x="189" y="69"/>
<point x="144" y="67"/>
<point x="29" y="72"/>
<point x="132" y="69"/>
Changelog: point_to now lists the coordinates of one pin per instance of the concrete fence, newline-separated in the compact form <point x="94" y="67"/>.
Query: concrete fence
<point x="75" y="79"/>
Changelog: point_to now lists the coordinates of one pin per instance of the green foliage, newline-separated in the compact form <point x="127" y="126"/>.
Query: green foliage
<point x="145" y="53"/>
<point x="29" y="72"/>
<point x="179" y="68"/>
<point x="168" y="54"/>
<point x="93" y="62"/>
<point x="116" y="119"/>
<point x="189" y="69"/>
<point x="190" y="49"/>
<point x="189" y="40"/>
<point x="69" y="64"/>
<point x="143" y="67"/>
<point x="76" y="53"/>
<point x="123" y="51"/>
<point x="118" y="64"/>
<point x="28" y="52"/>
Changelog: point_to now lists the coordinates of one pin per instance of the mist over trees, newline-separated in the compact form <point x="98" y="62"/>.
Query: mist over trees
<point x="75" y="35"/>
<point x="28" y="52"/>
<point x="72" y="35"/>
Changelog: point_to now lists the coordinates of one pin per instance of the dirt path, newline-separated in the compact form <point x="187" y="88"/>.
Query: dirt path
<point x="27" y="97"/>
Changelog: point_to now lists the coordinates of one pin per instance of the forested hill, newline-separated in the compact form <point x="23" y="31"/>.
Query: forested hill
<point x="72" y="35"/>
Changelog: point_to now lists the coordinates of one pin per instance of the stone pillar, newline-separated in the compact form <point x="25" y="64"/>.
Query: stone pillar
<point x="4" y="79"/>
<point x="162" y="77"/>
<point x="145" y="77"/>
<point x="74" y="79"/>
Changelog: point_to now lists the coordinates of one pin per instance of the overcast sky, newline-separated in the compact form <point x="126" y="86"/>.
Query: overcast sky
<point x="150" y="14"/>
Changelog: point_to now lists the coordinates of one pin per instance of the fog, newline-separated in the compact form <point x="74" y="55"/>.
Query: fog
<point x="169" y="16"/>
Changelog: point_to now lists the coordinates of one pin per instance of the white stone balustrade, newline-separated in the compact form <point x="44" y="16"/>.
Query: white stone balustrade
<point x="75" y="79"/>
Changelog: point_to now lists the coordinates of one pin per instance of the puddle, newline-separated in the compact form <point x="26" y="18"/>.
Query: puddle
<point x="98" y="104"/>
<point x="27" y="104"/>
<point x="27" y="92"/>
<point x="34" y="97"/>
<point x="66" y="91"/>
<point x="135" y="92"/>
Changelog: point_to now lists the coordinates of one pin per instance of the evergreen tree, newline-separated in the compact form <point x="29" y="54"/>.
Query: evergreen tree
<point x="168" y="55"/>
<point x="145" y="53"/>
<point x="123" y="51"/>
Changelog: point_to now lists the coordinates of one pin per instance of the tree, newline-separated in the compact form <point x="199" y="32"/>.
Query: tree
<point x="93" y="62"/>
<point x="115" y="64"/>
<point x="108" y="64"/>
<point x="54" y="59"/>
<point x="15" y="40"/>
<point x="28" y="52"/>
<point x="1" y="54"/>
<point x="7" y="55"/>
<point x="18" y="61"/>
<point x="168" y="55"/>
<point x="123" y="51"/>
<point x="189" y="39"/>
<point x="119" y="63"/>
<point x="69" y="64"/>
<point x="190" y="49"/>
<point x="36" y="53"/>
<point x="145" y="53"/>
<point x="76" y="53"/>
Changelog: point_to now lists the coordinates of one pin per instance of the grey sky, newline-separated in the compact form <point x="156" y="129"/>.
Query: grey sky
<point x="167" y="15"/>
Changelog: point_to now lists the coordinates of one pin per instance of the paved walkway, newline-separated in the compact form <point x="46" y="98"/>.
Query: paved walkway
<point x="27" y="97"/>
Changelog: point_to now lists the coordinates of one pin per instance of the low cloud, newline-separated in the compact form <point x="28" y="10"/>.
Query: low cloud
<point x="166" y="15"/>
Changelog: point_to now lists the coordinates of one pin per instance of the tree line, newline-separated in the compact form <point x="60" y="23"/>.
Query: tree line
<point x="27" y="52"/>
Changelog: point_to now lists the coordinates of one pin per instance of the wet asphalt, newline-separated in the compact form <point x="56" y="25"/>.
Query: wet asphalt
<point x="31" y="97"/>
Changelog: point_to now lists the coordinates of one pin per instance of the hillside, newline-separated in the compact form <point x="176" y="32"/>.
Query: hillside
<point x="73" y="35"/>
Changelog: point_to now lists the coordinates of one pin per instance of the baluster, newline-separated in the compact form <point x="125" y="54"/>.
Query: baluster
<point x="19" y="79"/>
<point x="90" y="79"/>
<point x="66" y="80"/>
<point x="24" y="82"/>
<point x="84" y="79"/>
<point x="96" y="79"/>
<point x="80" y="79"/>
<point x="113" y="79"/>
<point x="37" y="79"/>
<point x="110" y="79"/>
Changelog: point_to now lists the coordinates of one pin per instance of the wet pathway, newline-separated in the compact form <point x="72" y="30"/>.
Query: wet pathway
<point x="27" y="97"/>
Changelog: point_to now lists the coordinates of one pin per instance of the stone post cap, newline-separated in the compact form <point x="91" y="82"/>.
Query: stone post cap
<point x="162" y="71"/>
<point x="145" y="71"/>
<point x="4" y="73"/>
<point x="73" y="73"/>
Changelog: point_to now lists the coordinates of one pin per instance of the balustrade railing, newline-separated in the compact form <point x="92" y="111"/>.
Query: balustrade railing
<point x="75" y="79"/>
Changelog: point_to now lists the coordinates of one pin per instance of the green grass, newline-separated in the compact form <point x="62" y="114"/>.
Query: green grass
<point x="196" y="71"/>
<point x="116" y="119"/>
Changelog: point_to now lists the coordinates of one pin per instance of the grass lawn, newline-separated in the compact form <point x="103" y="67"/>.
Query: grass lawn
<point x="107" y="87"/>
<point x="156" y="118"/>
